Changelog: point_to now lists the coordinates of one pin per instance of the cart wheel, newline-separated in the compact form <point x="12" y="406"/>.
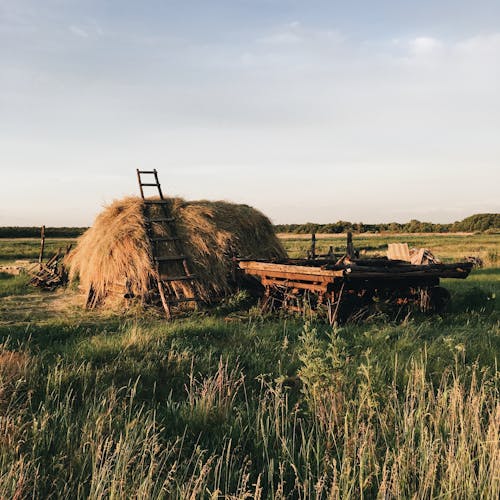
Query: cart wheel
<point x="439" y="298"/>
<point x="352" y="309"/>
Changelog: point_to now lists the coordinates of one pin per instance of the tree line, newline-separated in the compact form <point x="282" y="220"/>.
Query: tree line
<point x="34" y="232"/>
<point x="474" y="223"/>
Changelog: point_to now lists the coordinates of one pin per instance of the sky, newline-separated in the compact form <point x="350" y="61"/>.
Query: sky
<point x="367" y="111"/>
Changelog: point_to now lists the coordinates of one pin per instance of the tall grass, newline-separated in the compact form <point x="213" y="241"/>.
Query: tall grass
<point x="340" y="429"/>
<point x="230" y="404"/>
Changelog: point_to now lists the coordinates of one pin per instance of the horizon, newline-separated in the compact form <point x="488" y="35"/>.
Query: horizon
<point x="295" y="223"/>
<point x="320" y="112"/>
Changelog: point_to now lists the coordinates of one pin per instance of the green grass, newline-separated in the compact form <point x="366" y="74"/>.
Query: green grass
<point x="12" y="249"/>
<point x="14" y="285"/>
<point x="447" y="247"/>
<point x="227" y="403"/>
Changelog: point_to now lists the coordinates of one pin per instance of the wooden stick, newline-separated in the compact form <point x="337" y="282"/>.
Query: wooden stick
<point x="313" y="246"/>
<point x="42" y="245"/>
<point x="335" y="314"/>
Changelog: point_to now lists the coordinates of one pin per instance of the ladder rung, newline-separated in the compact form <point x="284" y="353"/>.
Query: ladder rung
<point x="166" y="238"/>
<point x="156" y="202"/>
<point x="173" y="258"/>
<point x="146" y="171"/>
<point x="178" y="278"/>
<point x="149" y="184"/>
<point x="186" y="299"/>
<point x="161" y="219"/>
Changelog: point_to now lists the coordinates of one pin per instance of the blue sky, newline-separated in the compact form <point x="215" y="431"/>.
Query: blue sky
<point x="309" y="110"/>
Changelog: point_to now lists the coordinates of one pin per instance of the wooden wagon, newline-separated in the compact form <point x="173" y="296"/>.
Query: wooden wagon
<point x="348" y="287"/>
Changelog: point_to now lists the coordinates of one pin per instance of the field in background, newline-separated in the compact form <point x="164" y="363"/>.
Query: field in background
<point x="445" y="246"/>
<point x="230" y="402"/>
<point x="12" y="249"/>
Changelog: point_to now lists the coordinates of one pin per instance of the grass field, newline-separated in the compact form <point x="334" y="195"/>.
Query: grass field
<point x="228" y="403"/>
<point x="12" y="249"/>
<point x="445" y="246"/>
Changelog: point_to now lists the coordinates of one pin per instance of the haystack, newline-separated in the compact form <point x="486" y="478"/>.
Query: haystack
<point x="114" y="259"/>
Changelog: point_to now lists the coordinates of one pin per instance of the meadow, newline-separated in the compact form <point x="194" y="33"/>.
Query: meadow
<point x="446" y="246"/>
<point x="230" y="403"/>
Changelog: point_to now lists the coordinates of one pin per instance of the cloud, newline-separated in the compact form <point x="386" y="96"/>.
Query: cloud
<point x="88" y="29"/>
<point x="78" y="31"/>
<point x="425" y="45"/>
<point x="287" y="34"/>
<point x="480" y="44"/>
<point x="281" y="38"/>
<point x="294" y="33"/>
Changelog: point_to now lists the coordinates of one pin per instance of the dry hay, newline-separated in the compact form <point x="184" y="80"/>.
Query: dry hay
<point x="115" y="254"/>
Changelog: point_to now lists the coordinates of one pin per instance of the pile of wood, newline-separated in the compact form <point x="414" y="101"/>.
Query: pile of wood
<point x="475" y="260"/>
<point x="416" y="256"/>
<point x="397" y="269"/>
<point x="423" y="256"/>
<point x="52" y="274"/>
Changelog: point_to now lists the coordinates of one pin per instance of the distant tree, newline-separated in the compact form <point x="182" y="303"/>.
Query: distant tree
<point x="34" y="232"/>
<point x="478" y="222"/>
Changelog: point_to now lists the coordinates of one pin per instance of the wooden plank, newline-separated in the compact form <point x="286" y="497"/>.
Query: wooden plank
<point x="322" y="288"/>
<point x="173" y="258"/>
<point x="445" y="273"/>
<point x="307" y="278"/>
<point x="285" y="268"/>
<point x="418" y="258"/>
<point x="178" y="278"/>
<point x="413" y="269"/>
<point x="398" y="251"/>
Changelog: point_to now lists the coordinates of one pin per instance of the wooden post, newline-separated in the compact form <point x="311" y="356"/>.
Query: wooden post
<point x="313" y="246"/>
<point x="42" y="246"/>
<point x="350" y="246"/>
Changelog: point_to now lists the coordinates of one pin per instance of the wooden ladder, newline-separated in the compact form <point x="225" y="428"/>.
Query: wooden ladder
<point x="160" y="248"/>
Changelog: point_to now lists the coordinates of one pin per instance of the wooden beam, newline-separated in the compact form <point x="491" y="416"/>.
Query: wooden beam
<point x="321" y="288"/>
<point x="285" y="268"/>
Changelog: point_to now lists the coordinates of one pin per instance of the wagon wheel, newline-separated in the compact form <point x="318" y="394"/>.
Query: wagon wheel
<point x="424" y="299"/>
<point x="273" y="299"/>
<point x="439" y="298"/>
<point x="349" y="306"/>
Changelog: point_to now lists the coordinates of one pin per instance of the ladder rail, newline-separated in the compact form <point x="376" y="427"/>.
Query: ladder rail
<point x="140" y="183"/>
<point x="166" y="280"/>
<point x="158" y="183"/>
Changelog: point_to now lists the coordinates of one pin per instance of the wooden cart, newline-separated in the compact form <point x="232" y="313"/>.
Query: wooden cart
<point x="348" y="287"/>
